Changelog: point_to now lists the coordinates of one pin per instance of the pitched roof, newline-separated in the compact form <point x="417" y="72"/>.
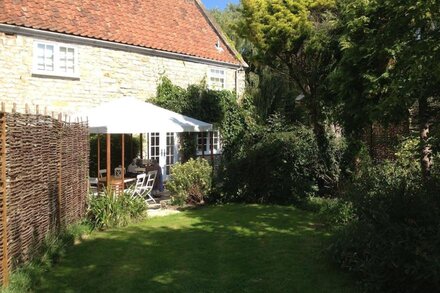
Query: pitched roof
<point x="179" y="26"/>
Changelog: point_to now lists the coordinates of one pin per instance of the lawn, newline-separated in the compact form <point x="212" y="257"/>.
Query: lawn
<point x="232" y="248"/>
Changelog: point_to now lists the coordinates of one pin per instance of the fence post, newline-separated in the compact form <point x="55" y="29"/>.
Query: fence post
<point x="60" y="158"/>
<point x="4" y="204"/>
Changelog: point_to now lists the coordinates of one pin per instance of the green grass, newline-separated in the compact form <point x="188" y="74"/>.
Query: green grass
<point x="231" y="248"/>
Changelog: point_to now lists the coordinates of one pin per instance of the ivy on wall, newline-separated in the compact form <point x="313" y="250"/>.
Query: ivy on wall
<point x="217" y="107"/>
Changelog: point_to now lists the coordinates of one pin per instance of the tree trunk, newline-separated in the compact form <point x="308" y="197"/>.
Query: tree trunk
<point x="425" y="150"/>
<point x="326" y="183"/>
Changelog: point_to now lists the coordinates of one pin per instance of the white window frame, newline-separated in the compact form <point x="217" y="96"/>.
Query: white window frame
<point x="56" y="60"/>
<point x="211" y="74"/>
<point x="208" y="143"/>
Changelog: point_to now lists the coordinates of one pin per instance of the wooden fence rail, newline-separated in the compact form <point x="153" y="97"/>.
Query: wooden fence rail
<point x="44" y="179"/>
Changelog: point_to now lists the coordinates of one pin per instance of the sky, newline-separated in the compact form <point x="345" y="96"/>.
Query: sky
<point x="221" y="4"/>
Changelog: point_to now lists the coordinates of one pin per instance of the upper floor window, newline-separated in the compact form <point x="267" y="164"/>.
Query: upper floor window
<point x="55" y="59"/>
<point x="216" y="79"/>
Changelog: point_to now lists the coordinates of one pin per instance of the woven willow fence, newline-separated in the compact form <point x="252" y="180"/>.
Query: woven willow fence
<point x="44" y="171"/>
<point x="382" y="141"/>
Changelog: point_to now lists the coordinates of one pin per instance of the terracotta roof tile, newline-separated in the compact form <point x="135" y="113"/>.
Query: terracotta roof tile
<point x="178" y="26"/>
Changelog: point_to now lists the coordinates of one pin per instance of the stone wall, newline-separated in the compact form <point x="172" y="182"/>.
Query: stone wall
<point x="105" y="74"/>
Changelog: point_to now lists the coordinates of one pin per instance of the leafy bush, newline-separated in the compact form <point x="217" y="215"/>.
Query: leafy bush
<point x="238" y="129"/>
<point x="109" y="210"/>
<point x="280" y="168"/>
<point x="335" y="212"/>
<point x="190" y="182"/>
<point x="394" y="241"/>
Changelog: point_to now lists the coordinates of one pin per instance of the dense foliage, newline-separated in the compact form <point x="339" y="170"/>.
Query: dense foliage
<point x="269" y="91"/>
<point x="281" y="168"/>
<point x="109" y="210"/>
<point x="190" y="182"/>
<point x="132" y="150"/>
<point x="358" y="63"/>
<point x="297" y="38"/>
<point x="387" y="66"/>
<point x="278" y="167"/>
<point x="393" y="243"/>
<point x="195" y="101"/>
<point x="218" y="107"/>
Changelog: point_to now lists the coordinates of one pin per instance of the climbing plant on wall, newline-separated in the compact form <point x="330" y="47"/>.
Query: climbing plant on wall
<point x="217" y="107"/>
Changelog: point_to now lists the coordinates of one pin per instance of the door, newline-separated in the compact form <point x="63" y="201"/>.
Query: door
<point x="163" y="149"/>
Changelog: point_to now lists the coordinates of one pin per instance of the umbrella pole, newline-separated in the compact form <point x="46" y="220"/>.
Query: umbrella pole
<point x="142" y="147"/>
<point x="123" y="160"/>
<point x="108" y="161"/>
<point x="131" y="146"/>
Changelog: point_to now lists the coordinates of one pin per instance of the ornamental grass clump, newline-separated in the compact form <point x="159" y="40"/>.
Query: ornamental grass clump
<point x="43" y="257"/>
<point x="190" y="182"/>
<point x="109" y="210"/>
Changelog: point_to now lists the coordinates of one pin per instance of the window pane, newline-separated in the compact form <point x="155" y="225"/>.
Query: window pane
<point x="49" y="51"/>
<point x="70" y="53"/>
<point x="67" y="60"/>
<point x="62" y="53"/>
<point x="217" y="83"/>
<point x="202" y="140"/>
<point x="40" y="50"/>
<point x="45" y="57"/>
<point x="70" y="62"/>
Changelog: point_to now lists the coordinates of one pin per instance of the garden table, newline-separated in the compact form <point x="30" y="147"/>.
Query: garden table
<point x="116" y="182"/>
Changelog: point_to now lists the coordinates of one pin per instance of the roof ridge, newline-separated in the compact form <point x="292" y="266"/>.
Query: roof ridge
<point x="220" y="32"/>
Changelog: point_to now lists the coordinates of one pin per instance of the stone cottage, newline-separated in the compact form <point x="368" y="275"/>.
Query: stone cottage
<point x="67" y="55"/>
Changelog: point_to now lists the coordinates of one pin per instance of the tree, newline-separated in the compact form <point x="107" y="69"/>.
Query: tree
<point x="297" y="38"/>
<point x="269" y="92"/>
<point x="390" y="57"/>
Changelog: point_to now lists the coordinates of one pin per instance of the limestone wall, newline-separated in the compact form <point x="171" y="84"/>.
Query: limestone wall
<point x="105" y="74"/>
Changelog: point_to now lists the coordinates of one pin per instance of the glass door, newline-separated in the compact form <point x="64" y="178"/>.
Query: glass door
<point x="154" y="145"/>
<point x="170" y="153"/>
<point x="163" y="149"/>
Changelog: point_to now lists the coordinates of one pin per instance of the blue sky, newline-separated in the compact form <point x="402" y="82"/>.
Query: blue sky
<point x="217" y="3"/>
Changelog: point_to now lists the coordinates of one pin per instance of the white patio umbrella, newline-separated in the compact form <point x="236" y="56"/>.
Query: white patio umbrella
<point x="129" y="115"/>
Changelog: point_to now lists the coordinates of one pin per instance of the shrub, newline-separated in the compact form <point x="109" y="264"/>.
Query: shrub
<point x="335" y="212"/>
<point x="109" y="210"/>
<point x="190" y="182"/>
<point x="394" y="241"/>
<point x="280" y="168"/>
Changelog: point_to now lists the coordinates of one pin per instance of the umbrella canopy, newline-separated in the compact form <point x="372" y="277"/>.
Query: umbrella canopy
<point x="130" y="115"/>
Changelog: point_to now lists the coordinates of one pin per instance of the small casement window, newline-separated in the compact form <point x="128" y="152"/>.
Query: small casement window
<point x="216" y="79"/>
<point x="205" y="140"/>
<point x="55" y="59"/>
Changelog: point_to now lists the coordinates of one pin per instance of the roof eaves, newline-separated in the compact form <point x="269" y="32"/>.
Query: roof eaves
<point x="85" y="40"/>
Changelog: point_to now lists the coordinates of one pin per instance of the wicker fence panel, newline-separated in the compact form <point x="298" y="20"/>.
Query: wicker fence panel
<point x="383" y="140"/>
<point x="46" y="167"/>
<point x="74" y="172"/>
